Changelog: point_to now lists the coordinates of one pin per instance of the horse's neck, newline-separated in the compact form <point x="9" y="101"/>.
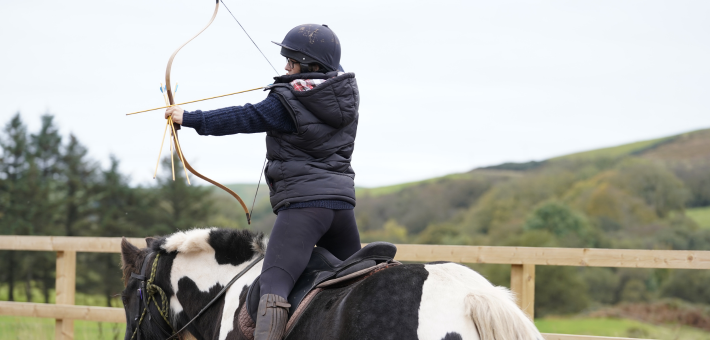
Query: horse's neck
<point x="201" y="278"/>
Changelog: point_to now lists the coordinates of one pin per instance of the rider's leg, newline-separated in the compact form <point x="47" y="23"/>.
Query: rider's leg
<point x="342" y="239"/>
<point x="291" y="242"/>
<point x="295" y="233"/>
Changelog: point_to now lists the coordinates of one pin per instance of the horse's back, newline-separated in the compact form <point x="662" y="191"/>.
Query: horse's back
<point x="411" y="301"/>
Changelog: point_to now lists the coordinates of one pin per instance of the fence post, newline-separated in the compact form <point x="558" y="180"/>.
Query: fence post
<point x="65" y="288"/>
<point x="522" y="283"/>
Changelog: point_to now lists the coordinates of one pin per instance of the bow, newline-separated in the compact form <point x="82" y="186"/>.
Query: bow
<point x="176" y="127"/>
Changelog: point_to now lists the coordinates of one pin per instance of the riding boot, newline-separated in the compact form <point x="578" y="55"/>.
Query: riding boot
<point x="271" y="318"/>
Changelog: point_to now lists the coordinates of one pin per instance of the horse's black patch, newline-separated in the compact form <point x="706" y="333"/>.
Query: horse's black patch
<point x="156" y="243"/>
<point x="188" y="291"/>
<point x="452" y="336"/>
<point x="383" y="306"/>
<point x="232" y="246"/>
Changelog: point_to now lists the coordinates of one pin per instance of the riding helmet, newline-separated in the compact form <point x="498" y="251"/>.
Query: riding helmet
<point x="312" y="43"/>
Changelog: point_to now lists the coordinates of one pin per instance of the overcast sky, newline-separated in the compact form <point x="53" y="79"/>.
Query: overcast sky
<point x="446" y="86"/>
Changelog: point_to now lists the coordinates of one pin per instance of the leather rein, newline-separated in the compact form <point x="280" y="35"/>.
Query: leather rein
<point x="148" y="290"/>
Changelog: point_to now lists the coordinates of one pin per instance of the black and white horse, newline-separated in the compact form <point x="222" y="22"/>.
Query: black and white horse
<point x="413" y="301"/>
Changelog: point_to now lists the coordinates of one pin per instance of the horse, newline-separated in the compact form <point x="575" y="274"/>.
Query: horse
<point x="182" y="272"/>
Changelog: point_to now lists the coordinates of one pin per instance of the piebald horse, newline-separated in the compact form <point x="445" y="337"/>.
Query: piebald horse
<point x="435" y="301"/>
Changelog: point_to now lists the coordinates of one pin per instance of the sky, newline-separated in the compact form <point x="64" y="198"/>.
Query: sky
<point x="446" y="86"/>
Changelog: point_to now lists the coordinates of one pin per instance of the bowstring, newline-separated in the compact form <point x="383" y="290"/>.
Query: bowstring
<point x="277" y="73"/>
<point x="257" y="186"/>
<point x="252" y="40"/>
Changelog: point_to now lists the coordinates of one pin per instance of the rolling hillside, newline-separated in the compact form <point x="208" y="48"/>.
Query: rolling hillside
<point x="416" y="205"/>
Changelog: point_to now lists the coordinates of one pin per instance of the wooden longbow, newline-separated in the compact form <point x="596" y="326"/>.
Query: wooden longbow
<point x="176" y="127"/>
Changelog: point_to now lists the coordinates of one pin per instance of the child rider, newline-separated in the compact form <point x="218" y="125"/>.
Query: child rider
<point x="310" y="118"/>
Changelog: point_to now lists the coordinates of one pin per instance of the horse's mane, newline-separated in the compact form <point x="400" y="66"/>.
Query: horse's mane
<point x="241" y="243"/>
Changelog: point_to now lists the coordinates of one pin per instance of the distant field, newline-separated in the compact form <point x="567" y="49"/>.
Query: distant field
<point x="17" y="328"/>
<point x="700" y="215"/>
<point x="616" y="151"/>
<point x="618" y="328"/>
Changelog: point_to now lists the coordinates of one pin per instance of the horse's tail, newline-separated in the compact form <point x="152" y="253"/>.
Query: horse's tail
<point x="497" y="317"/>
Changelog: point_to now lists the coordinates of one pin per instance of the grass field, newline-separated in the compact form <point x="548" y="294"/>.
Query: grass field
<point x="616" y="151"/>
<point x="618" y="328"/>
<point x="17" y="328"/>
<point x="700" y="215"/>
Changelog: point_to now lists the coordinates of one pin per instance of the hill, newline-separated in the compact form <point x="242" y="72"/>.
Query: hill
<point x="651" y="194"/>
<point x="419" y="204"/>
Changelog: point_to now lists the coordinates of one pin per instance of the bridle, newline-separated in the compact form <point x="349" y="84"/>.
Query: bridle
<point x="146" y="294"/>
<point x="147" y="291"/>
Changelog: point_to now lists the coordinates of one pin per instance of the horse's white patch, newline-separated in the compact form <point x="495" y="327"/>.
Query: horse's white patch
<point x="202" y="268"/>
<point x="458" y="299"/>
<point x="443" y="307"/>
<point x="193" y="240"/>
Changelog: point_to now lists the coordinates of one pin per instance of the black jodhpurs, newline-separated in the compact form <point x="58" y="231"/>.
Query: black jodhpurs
<point x="295" y="233"/>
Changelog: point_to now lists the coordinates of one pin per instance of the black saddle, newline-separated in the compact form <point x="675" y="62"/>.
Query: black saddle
<point x="324" y="266"/>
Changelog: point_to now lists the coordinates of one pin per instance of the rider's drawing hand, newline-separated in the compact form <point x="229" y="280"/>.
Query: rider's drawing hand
<point x="176" y="112"/>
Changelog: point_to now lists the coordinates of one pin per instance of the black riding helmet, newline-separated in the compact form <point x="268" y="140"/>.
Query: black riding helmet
<point x="312" y="43"/>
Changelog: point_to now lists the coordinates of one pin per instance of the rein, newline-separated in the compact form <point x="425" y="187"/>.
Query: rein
<point x="147" y="292"/>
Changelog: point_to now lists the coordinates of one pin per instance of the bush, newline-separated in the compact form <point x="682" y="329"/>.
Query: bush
<point x="689" y="285"/>
<point x="560" y="220"/>
<point x="602" y="284"/>
<point x="559" y="290"/>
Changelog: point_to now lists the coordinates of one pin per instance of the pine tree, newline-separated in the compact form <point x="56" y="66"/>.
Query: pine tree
<point x="181" y="206"/>
<point x="45" y="149"/>
<point x="13" y="170"/>
<point x="78" y="177"/>
<point x="116" y="207"/>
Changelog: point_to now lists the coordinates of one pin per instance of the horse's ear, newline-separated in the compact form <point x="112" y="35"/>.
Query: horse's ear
<point x="149" y="241"/>
<point x="129" y="255"/>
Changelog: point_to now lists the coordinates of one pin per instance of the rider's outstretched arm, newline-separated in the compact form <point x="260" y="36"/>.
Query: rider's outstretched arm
<point x="267" y="115"/>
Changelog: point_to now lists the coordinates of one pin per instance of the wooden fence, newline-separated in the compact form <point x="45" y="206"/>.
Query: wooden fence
<point x="522" y="281"/>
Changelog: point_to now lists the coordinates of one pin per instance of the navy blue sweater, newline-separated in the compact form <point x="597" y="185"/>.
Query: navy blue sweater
<point x="267" y="115"/>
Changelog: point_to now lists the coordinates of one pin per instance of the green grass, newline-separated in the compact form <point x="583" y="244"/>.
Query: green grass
<point x="37" y="297"/>
<point x="20" y="328"/>
<point x="391" y="189"/>
<point x="618" y="328"/>
<point x="700" y="216"/>
<point x="616" y="151"/>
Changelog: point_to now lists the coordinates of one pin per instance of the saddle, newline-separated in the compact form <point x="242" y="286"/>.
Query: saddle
<point x="325" y="269"/>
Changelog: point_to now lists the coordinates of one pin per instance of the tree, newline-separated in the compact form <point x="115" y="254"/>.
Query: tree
<point x="558" y="289"/>
<point x="15" y="166"/>
<point x="561" y="221"/>
<point x="77" y="177"/>
<point x="45" y="150"/>
<point x="689" y="285"/>
<point x="657" y="186"/>
<point x="114" y="206"/>
<point x="180" y="206"/>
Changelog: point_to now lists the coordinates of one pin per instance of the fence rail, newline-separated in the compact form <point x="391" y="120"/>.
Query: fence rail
<point x="522" y="260"/>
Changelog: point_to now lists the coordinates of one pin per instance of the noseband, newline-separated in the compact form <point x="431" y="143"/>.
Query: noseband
<point x="147" y="292"/>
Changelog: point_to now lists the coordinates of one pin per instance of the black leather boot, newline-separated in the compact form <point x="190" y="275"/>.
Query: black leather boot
<point x="271" y="318"/>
